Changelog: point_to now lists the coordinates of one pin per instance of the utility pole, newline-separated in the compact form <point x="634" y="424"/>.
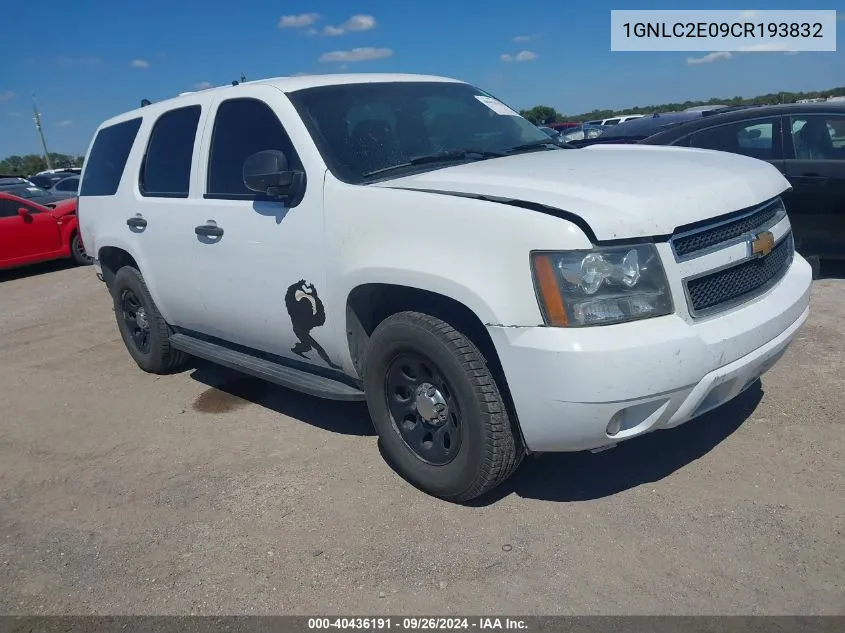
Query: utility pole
<point x="37" y="119"/>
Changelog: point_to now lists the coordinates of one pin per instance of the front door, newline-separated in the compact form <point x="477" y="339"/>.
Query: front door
<point x="254" y="267"/>
<point x="815" y="167"/>
<point x="26" y="238"/>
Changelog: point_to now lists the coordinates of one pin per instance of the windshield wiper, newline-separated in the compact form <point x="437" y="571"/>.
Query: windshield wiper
<point x="440" y="157"/>
<point x="527" y="147"/>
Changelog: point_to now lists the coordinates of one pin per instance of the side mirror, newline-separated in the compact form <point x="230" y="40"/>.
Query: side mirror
<point x="268" y="172"/>
<point x="24" y="213"/>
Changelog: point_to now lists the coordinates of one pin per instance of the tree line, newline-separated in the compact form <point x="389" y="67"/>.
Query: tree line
<point x="33" y="163"/>
<point x="542" y="114"/>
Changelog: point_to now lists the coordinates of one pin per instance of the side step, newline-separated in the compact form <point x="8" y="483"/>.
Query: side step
<point x="276" y="373"/>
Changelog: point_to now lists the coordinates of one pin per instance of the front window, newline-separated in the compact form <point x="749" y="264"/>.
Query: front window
<point x="371" y="131"/>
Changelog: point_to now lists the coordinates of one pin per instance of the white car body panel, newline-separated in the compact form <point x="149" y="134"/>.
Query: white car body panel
<point x="621" y="191"/>
<point x="566" y="383"/>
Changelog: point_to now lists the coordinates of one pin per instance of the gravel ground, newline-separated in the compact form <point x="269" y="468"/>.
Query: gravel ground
<point x="206" y="492"/>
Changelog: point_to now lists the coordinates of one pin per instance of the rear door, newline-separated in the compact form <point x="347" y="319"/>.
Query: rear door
<point x="758" y="138"/>
<point x="815" y="166"/>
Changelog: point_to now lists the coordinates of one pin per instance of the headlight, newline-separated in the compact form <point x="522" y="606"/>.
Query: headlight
<point x="601" y="286"/>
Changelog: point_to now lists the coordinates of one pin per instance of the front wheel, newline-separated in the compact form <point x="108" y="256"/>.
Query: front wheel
<point x="77" y="251"/>
<point x="437" y="408"/>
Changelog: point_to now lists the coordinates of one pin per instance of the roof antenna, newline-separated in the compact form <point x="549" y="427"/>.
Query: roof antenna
<point x="243" y="77"/>
<point x="145" y="102"/>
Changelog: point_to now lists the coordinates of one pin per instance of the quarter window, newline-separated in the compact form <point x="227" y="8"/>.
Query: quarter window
<point x="166" y="170"/>
<point x="69" y="184"/>
<point x="107" y="158"/>
<point x="243" y="127"/>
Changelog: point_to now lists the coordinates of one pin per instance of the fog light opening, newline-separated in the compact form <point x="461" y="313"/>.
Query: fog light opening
<point x="615" y="424"/>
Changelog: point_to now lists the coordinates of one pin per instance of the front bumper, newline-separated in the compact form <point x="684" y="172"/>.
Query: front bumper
<point x="567" y="384"/>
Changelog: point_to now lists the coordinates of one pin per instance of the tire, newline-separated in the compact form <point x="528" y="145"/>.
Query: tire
<point x="485" y="451"/>
<point x="155" y="355"/>
<point x="77" y="250"/>
<point x="815" y="265"/>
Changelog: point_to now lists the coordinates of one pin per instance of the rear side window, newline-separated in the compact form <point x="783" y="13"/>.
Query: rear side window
<point x="107" y="159"/>
<point x="166" y="169"/>
<point x="241" y="128"/>
<point x="758" y="139"/>
<point x="68" y="184"/>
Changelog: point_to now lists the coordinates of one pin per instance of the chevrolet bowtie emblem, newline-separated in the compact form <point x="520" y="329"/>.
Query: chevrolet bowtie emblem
<point x="762" y="244"/>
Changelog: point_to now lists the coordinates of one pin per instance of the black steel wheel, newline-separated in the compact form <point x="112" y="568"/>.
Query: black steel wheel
<point x="423" y="409"/>
<point x="143" y="329"/>
<point x="438" y="411"/>
<point x="135" y="319"/>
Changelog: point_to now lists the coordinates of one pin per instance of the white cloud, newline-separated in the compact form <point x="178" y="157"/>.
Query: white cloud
<point x="522" y="56"/>
<point x="356" y="55"/>
<point x="298" y="21"/>
<point x="356" y="23"/>
<point x="360" y="23"/>
<point x="203" y="85"/>
<point x="766" y="47"/>
<point x="747" y="15"/>
<point x="64" y="123"/>
<point x="7" y="95"/>
<point x="709" y="57"/>
<point x="140" y="63"/>
<point x="523" y="38"/>
<point x="311" y="31"/>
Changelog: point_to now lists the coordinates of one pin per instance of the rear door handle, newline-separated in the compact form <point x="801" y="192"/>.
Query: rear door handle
<point x="137" y="222"/>
<point x="208" y="230"/>
<point x="812" y="179"/>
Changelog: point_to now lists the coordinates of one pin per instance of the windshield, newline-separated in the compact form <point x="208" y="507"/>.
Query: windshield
<point x="377" y="130"/>
<point x="28" y="192"/>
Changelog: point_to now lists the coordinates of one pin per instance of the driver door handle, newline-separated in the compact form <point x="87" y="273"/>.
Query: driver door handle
<point x="208" y="230"/>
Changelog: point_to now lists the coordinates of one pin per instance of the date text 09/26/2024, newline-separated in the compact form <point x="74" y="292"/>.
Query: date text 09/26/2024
<point x="417" y="623"/>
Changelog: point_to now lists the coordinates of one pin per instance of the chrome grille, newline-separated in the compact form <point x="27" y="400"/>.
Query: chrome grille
<point x="688" y="244"/>
<point x="740" y="283"/>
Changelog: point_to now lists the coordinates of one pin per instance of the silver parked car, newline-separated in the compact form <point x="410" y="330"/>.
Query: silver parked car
<point x="65" y="188"/>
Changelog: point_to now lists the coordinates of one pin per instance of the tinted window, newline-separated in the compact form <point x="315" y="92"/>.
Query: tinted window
<point x="818" y="137"/>
<point x="107" y="159"/>
<point x="363" y="129"/>
<point x="166" y="170"/>
<point x="758" y="138"/>
<point x="612" y="122"/>
<point x="243" y="127"/>
<point x="68" y="184"/>
<point x="8" y="208"/>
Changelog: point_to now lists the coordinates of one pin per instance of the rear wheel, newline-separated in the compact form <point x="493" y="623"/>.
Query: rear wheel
<point x="437" y="408"/>
<point x="144" y="331"/>
<point x="77" y="251"/>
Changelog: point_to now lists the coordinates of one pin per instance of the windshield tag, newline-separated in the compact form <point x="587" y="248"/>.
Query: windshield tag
<point x="496" y="106"/>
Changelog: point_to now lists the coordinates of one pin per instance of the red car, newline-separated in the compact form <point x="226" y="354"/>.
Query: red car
<point x="32" y="232"/>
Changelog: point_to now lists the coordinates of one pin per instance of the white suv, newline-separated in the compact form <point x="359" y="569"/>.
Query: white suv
<point x="413" y="242"/>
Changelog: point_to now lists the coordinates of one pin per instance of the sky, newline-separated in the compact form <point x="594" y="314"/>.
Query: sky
<point x="89" y="60"/>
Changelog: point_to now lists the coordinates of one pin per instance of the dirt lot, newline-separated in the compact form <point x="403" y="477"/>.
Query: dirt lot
<point x="203" y="492"/>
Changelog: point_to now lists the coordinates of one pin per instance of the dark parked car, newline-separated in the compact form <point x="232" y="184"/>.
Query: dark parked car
<point x="806" y="142"/>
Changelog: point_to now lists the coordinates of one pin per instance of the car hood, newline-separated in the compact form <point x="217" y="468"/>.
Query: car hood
<point x="620" y="191"/>
<point x="63" y="207"/>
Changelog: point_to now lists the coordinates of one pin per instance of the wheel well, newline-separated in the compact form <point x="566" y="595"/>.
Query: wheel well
<point x="113" y="259"/>
<point x="370" y="304"/>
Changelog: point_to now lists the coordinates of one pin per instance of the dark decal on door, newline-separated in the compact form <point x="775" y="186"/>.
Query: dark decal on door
<point x="306" y="312"/>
